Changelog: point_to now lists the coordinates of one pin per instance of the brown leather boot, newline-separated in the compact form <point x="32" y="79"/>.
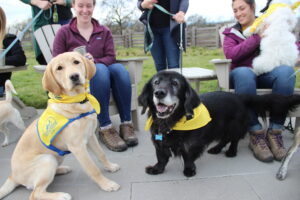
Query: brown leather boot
<point x="276" y="143"/>
<point x="110" y="137"/>
<point x="259" y="146"/>
<point x="127" y="133"/>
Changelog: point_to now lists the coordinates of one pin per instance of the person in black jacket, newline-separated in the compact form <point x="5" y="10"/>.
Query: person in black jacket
<point x="166" y="31"/>
<point x="15" y="56"/>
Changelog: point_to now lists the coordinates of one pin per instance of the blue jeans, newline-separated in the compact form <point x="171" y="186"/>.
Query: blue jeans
<point x="280" y="80"/>
<point x="165" y="51"/>
<point x="113" y="78"/>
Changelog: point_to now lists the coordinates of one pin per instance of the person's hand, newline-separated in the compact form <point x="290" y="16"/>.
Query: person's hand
<point x="261" y="30"/>
<point x="148" y="4"/>
<point x="89" y="56"/>
<point x="179" y="17"/>
<point x="42" y="4"/>
<point x="60" y="2"/>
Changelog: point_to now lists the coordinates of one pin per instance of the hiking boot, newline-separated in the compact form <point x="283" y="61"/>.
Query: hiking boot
<point x="276" y="143"/>
<point x="259" y="146"/>
<point x="127" y="133"/>
<point x="110" y="137"/>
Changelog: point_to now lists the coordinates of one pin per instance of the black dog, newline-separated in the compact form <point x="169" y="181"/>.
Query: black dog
<point x="169" y="97"/>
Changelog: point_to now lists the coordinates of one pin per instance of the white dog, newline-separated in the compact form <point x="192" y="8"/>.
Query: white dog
<point x="278" y="42"/>
<point x="9" y="114"/>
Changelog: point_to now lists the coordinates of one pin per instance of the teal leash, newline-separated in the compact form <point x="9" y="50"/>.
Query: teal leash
<point x="21" y="34"/>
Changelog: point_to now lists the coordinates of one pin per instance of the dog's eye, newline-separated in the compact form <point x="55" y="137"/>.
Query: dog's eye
<point x="59" y="67"/>
<point x="174" y="83"/>
<point x="76" y="62"/>
<point x="156" y="82"/>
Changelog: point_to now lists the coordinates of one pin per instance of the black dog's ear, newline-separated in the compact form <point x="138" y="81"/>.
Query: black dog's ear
<point x="191" y="101"/>
<point x="146" y="96"/>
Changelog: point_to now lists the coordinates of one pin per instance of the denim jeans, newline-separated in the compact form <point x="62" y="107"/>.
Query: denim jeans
<point x="281" y="80"/>
<point x="113" y="78"/>
<point x="165" y="51"/>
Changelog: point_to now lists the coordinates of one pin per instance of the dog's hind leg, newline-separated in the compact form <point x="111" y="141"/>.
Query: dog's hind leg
<point x="6" y="133"/>
<point x="218" y="148"/>
<point x="232" y="151"/>
<point x="44" y="172"/>
<point x="281" y="174"/>
<point x="98" y="151"/>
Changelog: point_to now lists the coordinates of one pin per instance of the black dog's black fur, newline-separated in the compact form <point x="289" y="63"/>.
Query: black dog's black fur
<point x="229" y="113"/>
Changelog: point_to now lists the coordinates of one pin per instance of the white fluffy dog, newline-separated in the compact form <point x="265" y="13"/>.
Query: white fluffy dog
<point x="278" y="42"/>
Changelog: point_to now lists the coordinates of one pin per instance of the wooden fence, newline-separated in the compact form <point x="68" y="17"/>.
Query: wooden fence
<point x="203" y="37"/>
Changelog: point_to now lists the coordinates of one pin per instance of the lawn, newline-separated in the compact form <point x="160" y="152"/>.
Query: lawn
<point x="29" y="87"/>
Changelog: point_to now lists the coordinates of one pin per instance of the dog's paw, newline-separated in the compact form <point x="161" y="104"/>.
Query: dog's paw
<point x="230" y="154"/>
<point x="153" y="170"/>
<point x="4" y="144"/>
<point x="281" y="174"/>
<point x="188" y="172"/>
<point x="113" y="167"/>
<point x="63" y="196"/>
<point x="214" y="150"/>
<point x="61" y="170"/>
<point x="109" y="186"/>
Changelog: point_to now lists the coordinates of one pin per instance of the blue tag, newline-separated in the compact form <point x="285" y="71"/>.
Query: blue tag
<point x="158" y="137"/>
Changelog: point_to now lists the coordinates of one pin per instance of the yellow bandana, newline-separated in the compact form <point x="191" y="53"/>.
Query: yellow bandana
<point x="272" y="8"/>
<point x="200" y="119"/>
<point x="75" y="99"/>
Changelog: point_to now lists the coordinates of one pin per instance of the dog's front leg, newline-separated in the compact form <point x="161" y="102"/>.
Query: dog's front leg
<point x="81" y="154"/>
<point x="99" y="153"/>
<point x="189" y="164"/>
<point x="162" y="154"/>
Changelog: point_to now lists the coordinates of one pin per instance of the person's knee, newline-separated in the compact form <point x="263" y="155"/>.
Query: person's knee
<point x="118" y="70"/>
<point x="243" y="74"/>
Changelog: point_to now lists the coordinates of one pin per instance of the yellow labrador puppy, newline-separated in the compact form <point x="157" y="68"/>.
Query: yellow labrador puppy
<point x="35" y="162"/>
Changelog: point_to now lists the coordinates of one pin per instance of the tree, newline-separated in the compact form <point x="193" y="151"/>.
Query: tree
<point x="119" y="12"/>
<point x="196" y="20"/>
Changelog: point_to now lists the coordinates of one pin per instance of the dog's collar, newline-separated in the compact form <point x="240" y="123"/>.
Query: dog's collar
<point x="272" y="8"/>
<point x="201" y="118"/>
<point x="80" y="98"/>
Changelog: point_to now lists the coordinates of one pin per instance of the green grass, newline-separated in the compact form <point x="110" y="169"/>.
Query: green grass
<point x="29" y="87"/>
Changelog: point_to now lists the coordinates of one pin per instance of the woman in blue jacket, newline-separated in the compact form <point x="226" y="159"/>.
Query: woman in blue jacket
<point x="166" y="31"/>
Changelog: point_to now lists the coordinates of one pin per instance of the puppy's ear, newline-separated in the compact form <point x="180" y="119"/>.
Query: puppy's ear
<point x="90" y="68"/>
<point x="49" y="82"/>
<point x="191" y="101"/>
<point x="146" y="96"/>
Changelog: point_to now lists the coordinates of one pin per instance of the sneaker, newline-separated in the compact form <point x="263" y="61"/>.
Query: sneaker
<point x="127" y="133"/>
<point x="110" y="137"/>
<point x="258" y="145"/>
<point x="276" y="143"/>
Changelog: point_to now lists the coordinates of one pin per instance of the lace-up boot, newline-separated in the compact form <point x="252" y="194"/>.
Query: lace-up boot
<point x="259" y="146"/>
<point x="276" y="143"/>
<point x="111" y="138"/>
<point x="128" y="135"/>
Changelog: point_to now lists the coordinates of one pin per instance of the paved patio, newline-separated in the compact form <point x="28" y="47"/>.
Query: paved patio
<point x="218" y="177"/>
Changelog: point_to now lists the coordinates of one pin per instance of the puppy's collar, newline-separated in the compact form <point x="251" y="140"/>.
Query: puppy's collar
<point x="270" y="10"/>
<point x="201" y="118"/>
<point x="80" y="98"/>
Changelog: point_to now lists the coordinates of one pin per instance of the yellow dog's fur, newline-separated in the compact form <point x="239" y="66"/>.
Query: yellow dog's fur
<point x="33" y="165"/>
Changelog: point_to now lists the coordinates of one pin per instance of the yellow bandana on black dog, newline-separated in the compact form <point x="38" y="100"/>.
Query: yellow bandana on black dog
<point x="201" y="118"/>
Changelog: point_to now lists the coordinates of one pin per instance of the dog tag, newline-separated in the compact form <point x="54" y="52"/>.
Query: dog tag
<point x="158" y="137"/>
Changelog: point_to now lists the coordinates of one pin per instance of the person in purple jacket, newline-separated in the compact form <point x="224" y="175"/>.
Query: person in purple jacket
<point x="166" y="31"/>
<point x="83" y="30"/>
<point x="266" y="145"/>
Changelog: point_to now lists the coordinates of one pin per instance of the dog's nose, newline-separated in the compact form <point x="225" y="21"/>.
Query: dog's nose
<point x="160" y="93"/>
<point x="74" y="77"/>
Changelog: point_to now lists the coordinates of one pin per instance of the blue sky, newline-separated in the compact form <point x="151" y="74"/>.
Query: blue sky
<point x="212" y="10"/>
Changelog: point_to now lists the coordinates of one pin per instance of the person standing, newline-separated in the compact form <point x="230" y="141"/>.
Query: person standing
<point x="166" y="30"/>
<point x="83" y="30"/>
<point x="60" y="9"/>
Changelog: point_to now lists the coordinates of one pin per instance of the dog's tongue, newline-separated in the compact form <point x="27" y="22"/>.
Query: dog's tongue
<point x="161" y="108"/>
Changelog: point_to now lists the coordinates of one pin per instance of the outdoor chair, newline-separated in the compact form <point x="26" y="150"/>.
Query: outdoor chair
<point x="45" y="37"/>
<point x="222" y="69"/>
